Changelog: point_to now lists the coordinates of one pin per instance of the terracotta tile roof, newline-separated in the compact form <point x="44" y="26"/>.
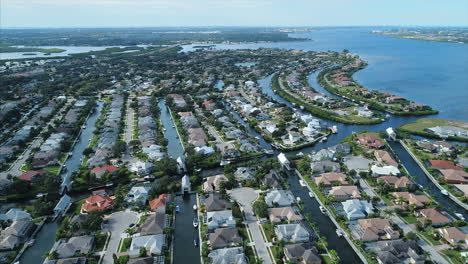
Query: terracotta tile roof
<point x="444" y="164"/>
<point x="158" y="202"/>
<point x="435" y="216"/>
<point x="29" y="175"/>
<point x="107" y="168"/>
<point x="454" y="176"/>
<point x="97" y="203"/>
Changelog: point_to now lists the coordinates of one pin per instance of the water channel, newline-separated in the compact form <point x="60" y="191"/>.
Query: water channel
<point x="184" y="232"/>
<point x="45" y="238"/>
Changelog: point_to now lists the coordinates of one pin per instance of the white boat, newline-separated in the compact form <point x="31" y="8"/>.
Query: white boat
<point x="339" y="233"/>
<point x="444" y="192"/>
<point x="460" y="216"/>
<point x="302" y="183"/>
<point x="269" y="152"/>
<point x="300" y="154"/>
<point x="298" y="199"/>
<point x="335" y="129"/>
<point x="323" y="210"/>
<point x="195" y="207"/>
<point x="311" y="194"/>
<point x="70" y="154"/>
<point x="257" y="138"/>
<point x="177" y="208"/>
<point x="164" y="129"/>
<point x="195" y="222"/>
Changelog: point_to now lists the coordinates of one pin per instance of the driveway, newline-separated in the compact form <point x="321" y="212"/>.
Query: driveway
<point x="116" y="224"/>
<point x="245" y="197"/>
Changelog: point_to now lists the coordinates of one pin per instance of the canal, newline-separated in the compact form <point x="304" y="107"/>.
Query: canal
<point x="421" y="178"/>
<point x="323" y="222"/>
<point x="45" y="238"/>
<point x="184" y="232"/>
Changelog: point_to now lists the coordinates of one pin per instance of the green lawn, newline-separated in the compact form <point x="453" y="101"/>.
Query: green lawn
<point x="100" y="241"/>
<point x="428" y="234"/>
<point x="53" y="170"/>
<point x="410" y="219"/>
<point x="424" y="123"/>
<point x="125" y="244"/>
<point x="269" y="231"/>
<point x="77" y="206"/>
<point x="454" y="256"/>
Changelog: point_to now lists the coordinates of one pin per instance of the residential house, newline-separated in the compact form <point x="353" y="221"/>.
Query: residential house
<point x="217" y="219"/>
<point x="31" y="175"/>
<point x="233" y="255"/>
<point x="443" y="164"/>
<point x="138" y="195"/>
<point x="16" y="233"/>
<point x="357" y="163"/>
<point x="323" y="154"/>
<point x="302" y="253"/>
<point x="214" y="202"/>
<point x="292" y="233"/>
<point x="280" y="214"/>
<point x="154" y="244"/>
<point x="398" y="183"/>
<point x="97" y="203"/>
<point x="324" y="166"/>
<point x="331" y="178"/>
<point x="370" y="142"/>
<point x="154" y="224"/>
<point x="454" y="176"/>
<point x="342" y="193"/>
<point x="141" y="168"/>
<point x="213" y="183"/>
<point x="279" y="198"/>
<point x="73" y="246"/>
<point x="384" y="170"/>
<point x="159" y="204"/>
<point x="433" y="217"/>
<point x="384" y="157"/>
<point x="224" y="237"/>
<point x="244" y="173"/>
<point x="357" y="209"/>
<point x="399" y="251"/>
<point x="373" y="229"/>
<point x="455" y="235"/>
<point x="419" y="200"/>
<point x="272" y="179"/>
<point x="100" y="171"/>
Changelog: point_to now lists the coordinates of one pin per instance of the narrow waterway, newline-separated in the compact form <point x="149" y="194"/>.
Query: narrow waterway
<point x="184" y="232"/>
<point x="421" y="178"/>
<point x="45" y="238"/>
<point x="324" y="224"/>
<point x="74" y="161"/>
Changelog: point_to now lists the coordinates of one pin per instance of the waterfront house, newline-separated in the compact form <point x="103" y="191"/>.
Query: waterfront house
<point x="224" y="237"/>
<point x="141" y="168"/>
<point x="398" y="251"/>
<point x="279" y="198"/>
<point x="272" y="180"/>
<point x="373" y="229"/>
<point x="15" y="214"/>
<point x="443" y="164"/>
<point x="323" y="154"/>
<point x="357" y="209"/>
<point x="280" y="214"/>
<point x="384" y="157"/>
<point x="331" y="178"/>
<point x="324" y="166"/>
<point x="31" y="175"/>
<point x="97" y="203"/>
<point x="244" y="173"/>
<point x="63" y="205"/>
<point x="73" y="246"/>
<point x="159" y="204"/>
<point x="100" y="171"/>
<point x="215" y="202"/>
<point x="342" y="193"/>
<point x="454" y="176"/>
<point x="447" y="131"/>
<point x="369" y="142"/>
<point x="154" y="224"/>
<point x="384" y="170"/>
<point x="233" y="255"/>
<point x="432" y="217"/>
<point x="455" y="235"/>
<point x="292" y="233"/>
<point x="305" y="253"/>
<point x="16" y="233"/>
<point x="154" y="244"/>
<point x="213" y="183"/>
<point x="343" y="148"/>
<point x="220" y="219"/>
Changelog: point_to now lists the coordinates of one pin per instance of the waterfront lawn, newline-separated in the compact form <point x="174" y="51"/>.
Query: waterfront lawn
<point x="421" y="124"/>
<point x="428" y="234"/>
<point x="76" y="206"/>
<point x="277" y="253"/>
<point x="53" y="170"/>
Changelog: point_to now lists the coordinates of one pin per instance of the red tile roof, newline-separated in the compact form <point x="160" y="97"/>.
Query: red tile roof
<point x="158" y="202"/>
<point x="107" y="168"/>
<point x="27" y="176"/>
<point x="444" y="164"/>
<point x="97" y="203"/>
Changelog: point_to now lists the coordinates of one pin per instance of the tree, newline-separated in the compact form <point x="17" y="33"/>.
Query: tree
<point x="260" y="208"/>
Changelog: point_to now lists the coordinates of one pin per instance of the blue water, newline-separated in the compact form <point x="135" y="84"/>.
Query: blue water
<point x="432" y="73"/>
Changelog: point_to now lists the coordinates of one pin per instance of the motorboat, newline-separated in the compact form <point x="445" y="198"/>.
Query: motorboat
<point x="177" y="208"/>
<point x="339" y="233"/>
<point x="70" y="154"/>
<point x="323" y="210"/>
<point x="444" y="192"/>
<point x="311" y="195"/>
<point x="269" y="152"/>
<point x="460" y="216"/>
<point x="195" y="207"/>
<point x="195" y="242"/>
<point x="302" y="182"/>
<point x="298" y="199"/>
<point x="195" y="222"/>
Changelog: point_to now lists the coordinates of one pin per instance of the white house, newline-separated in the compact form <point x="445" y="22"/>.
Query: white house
<point x="292" y="233"/>
<point x="357" y="209"/>
<point x="279" y="198"/>
<point x="141" y="168"/>
<point x="154" y="244"/>
<point x="138" y="195"/>
<point x="385" y="170"/>
<point x="217" y="219"/>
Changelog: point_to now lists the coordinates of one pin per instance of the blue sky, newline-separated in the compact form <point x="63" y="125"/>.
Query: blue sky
<point x="118" y="13"/>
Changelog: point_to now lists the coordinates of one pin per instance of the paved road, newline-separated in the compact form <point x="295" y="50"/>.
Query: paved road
<point x="117" y="223"/>
<point x="129" y="122"/>
<point x="245" y="197"/>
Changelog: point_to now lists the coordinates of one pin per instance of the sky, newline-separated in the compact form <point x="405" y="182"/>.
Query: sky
<point x="148" y="13"/>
